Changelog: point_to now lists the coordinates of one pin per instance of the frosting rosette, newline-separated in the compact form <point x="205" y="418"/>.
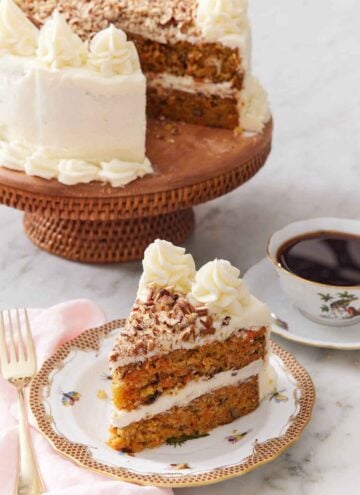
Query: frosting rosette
<point x="77" y="171"/>
<point x="41" y="166"/>
<point x="18" y="35"/>
<point x="111" y="54"/>
<point x="218" y="285"/>
<point x="13" y="155"/>
<point x="119" y="173"/>
<point x="59" y="46"/>
<point x="166" y="265"/>
<point x="219" y="18"/>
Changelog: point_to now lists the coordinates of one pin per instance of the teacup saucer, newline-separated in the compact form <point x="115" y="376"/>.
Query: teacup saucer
<point x="263" y="283"/>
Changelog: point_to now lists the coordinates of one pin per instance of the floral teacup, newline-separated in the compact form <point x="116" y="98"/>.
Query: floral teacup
<point x="322" y="303"/>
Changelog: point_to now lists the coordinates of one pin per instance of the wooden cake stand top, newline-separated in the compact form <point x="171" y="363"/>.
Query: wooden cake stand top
<point x="98" y="223"/>
<point x="192" y="164"/>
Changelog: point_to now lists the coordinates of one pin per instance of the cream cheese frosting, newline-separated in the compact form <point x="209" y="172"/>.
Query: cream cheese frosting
<point x="220" y="18"/>
<point x="70" y="171"/>
<point x="111" y="54"/>
<point x="218" y="285"/>
<point x="267" y="379"/>
<point x="35" y="164"/>
<point x="59" y="46"/>
<point x="13" y="154"/>
<point x="190" y="85"/>
<point x="166" y="265"/>
<point x="119" y="173"/>
<point x="69" y="111"/>
<point x="254" y="106"/>
<point x="74" y="171"/>
<point x="18" y="35"/>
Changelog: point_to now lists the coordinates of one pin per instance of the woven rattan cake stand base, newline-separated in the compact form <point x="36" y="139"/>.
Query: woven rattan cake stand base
<point x="97" y="223"/>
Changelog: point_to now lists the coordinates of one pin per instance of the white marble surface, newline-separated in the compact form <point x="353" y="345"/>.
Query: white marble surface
<point x="307" y="55"/>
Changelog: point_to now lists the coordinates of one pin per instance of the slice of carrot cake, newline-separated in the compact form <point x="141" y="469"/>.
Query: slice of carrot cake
<point x="193" y="354"/>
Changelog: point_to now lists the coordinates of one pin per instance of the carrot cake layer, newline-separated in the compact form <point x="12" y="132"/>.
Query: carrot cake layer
<point x="194" y="419"/>
<point x="194" y="107"/>
<point x="143" y="383"/>
<point x="192" y="338"/>
<point x="187" y="59"/>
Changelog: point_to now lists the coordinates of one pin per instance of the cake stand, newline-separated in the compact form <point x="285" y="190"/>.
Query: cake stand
<point x="97" y="223"/>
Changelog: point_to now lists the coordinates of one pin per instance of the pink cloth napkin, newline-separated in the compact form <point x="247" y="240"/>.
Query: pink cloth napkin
<point x="52" y="327"/>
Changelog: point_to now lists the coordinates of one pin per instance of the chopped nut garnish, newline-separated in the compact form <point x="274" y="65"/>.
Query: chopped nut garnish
<point x="201" y="310"/>
<point x="165" y="317"/>
<point x="87" y="17"/>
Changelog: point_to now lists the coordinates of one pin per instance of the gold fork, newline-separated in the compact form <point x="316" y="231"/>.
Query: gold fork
<point x="18" y="366"/>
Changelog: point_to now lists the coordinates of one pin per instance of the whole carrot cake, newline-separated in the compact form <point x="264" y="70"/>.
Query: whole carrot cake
<point x="196" y="54"/>
<point x="193" y="354"/>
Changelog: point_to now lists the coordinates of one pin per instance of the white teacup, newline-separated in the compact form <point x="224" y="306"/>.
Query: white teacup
<point x="322" y="303"/>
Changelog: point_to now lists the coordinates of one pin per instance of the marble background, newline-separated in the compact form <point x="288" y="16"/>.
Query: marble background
<point x="307" y="55"/>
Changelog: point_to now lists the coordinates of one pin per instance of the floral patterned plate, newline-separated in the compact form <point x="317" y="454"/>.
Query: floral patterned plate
<point x="292" y="325"/>
<point x="70" y="399"/>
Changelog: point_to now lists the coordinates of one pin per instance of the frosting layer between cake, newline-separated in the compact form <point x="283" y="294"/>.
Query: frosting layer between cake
<point x="191" y="391"/>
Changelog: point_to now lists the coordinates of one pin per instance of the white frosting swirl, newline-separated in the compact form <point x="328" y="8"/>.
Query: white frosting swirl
<point x="59" y="46"/>
<point x="13" y="155"/>
<point x="38" y="162"/>
<point x="18" y="36"/>
<point x="218" y="285"/>
<point x="166" y="265"/>
<point x="41" y="166"/>
<point x="220" y="18"/>
<point x="120" y="173"/>
<point x="111" y="54"/>
<point x="74" y="171"/>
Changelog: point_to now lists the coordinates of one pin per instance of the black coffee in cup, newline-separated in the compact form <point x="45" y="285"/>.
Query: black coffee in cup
<point x="326" y="257"/>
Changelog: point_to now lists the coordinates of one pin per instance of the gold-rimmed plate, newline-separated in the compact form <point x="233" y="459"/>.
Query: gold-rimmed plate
<point x="70" y="399"/>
